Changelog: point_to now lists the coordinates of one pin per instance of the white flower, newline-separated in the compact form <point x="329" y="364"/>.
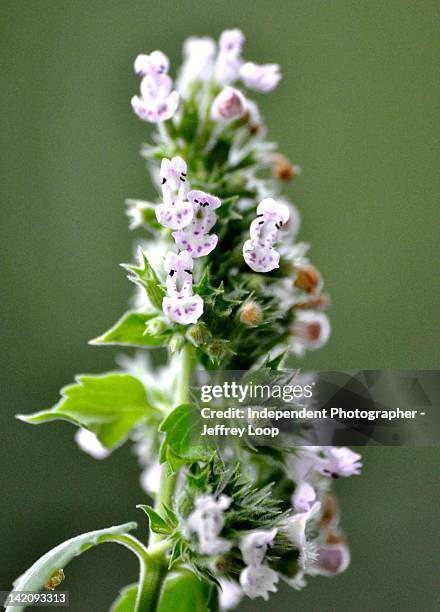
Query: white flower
<point x="258" y="581"/>
<point x="304" y="497"/>
<point x="254" y="545"/>
<point x="173" y="178"/>
<point x="175" y="212"/>
<point x="271" y="216"/>
<point x="229" y="60"/>
<point x="303" y="463"/>
<point x="198" y="61"/>
<point x="262" y="78"/>
<point x="195" y="238"/>
<point x="180" y="305"/>
<point x="311" y="330"/>
<point x="207" y="520"/>
<point x="230" y="594"/>
<point x="179" y="274"/>
<point x="258" y="251"/>
<point x="154" y="64"/>
<point x="229" y="104"/>
<point x="339" y="462"/>
<point x="157" y="102"/>
<point x="150" y="478"/>
<point x="332" y="559"/>
<point x="89" y="443"/>
<point x="295" y="529"/>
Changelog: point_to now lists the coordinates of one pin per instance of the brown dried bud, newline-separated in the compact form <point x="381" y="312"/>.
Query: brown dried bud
<point x="283" y="169"/>
<point x="251" y="314"/>
<point x="334" y="538"/>
<point x="330" y="514"/>
<point x="55" y="580"/>
<point x="308" y="279"/>
<point x="316" y="302"/>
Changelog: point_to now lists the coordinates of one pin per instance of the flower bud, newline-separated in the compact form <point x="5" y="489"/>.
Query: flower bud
<point x="315" y="302"/>
<point x="308" y="279"/>
<point x="198" y="334"/>
<point x="311" y="329"/>
<point x="176" y="343"/>
<point x="217" y="350"/>
<point x="155" y="327"/>
<point x="283" y="169"/>
<point x="229" y="104"/>
<point x="251" y="314"/>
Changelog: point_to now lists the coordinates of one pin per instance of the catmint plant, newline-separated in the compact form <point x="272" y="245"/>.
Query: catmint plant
<point x="220" y="283"/>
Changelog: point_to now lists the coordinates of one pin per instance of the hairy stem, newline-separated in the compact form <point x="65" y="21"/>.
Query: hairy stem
<point x="168" y="478"/>
<point x="153" y="568"/>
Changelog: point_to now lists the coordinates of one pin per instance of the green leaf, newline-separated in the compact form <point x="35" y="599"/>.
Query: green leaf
<point x="274" y="364"/>
<point x="126" y="600"/>
<point x="157" y="523"/>
<point x="130" y="331"/>
<point x="227" y="210"/>
<point x="145" y="276"/>
<point x="108" y="404"/>
<point x="182" y="428"/>
<point x="184" y="592"/>
<point x="39" y="573"/>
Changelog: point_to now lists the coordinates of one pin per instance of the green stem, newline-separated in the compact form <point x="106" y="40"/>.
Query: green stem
<point x="153" y="568"/>
<point x="168" y="478"/>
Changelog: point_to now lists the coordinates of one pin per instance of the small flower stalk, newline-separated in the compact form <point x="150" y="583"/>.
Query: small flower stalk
<point x="222" y="283"/>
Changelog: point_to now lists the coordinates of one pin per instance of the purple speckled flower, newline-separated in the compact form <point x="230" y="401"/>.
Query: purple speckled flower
<point x="157" y="101"/>
<point x="258" y="251"/>
<point x="176" y="212"/>
<point x="195" y="238"/>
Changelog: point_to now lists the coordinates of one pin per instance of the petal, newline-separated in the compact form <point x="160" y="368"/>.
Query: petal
<point x="260" y="258"/>
<point x="263" y="78"/>
<point x="197" y="246"/>
<point x="168" y="107"/>
<point x="273" y="209"/>
<point x="183" y="310"/>
<point x="178" y="165"/>
<point x="174" y="216"/>
<point x="171" y="261"/>
<point x="201" y="198"/>
<point x="185" y="261"/>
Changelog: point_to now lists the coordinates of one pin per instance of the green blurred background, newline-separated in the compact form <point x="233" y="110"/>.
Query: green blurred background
<point x="356" y="108"/>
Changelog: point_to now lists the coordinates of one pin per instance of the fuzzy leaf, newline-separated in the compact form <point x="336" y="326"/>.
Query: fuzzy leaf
<point x="108" y="404"/>
<point x="126" y="600"/>
<point x="39" y="573"/>
<point x="227" y="211"/>
<point x="182" y="428"/>
<point x="157" y="523"/>
<point x="145" y="276"/>
<point x="129" y="331"/>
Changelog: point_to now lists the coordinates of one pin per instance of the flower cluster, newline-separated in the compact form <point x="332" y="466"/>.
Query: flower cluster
<point x="309" y="531"/>
<point x="222" y="284"/>
<point x="191" y="214"/>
